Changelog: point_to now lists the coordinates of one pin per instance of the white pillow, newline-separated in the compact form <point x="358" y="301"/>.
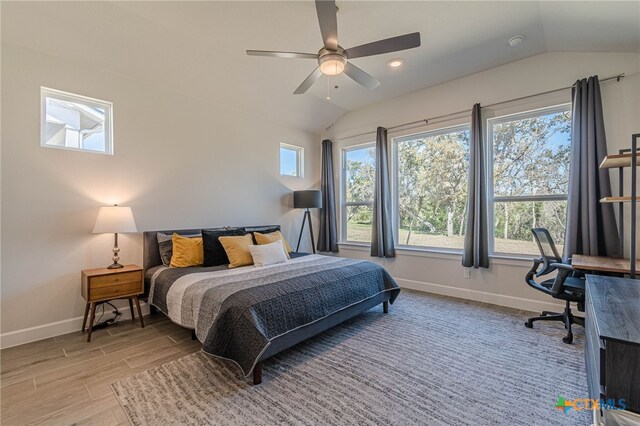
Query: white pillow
<point x="268" y="254"/>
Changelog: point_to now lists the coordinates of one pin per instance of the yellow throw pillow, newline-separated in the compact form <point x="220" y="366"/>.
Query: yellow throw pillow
<point x="186" y="251"/>
<point x="237" y="249"/>
<point x="272" y="237"/>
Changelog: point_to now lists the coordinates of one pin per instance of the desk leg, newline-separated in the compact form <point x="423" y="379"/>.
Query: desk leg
<point x="86" y="313"/>
<point x="139" y="311"/>
<point x="91" y="320"/>
<point x="133" y="316"/>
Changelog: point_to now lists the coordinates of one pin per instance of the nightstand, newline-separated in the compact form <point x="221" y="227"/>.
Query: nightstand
<point x="101" y="285"/>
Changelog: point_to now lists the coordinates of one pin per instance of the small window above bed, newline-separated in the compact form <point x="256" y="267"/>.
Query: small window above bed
<point x="75" y="122"/>
<point x="291" y="160"/>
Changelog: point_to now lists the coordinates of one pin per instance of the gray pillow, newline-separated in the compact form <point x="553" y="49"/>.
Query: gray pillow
<point x="165" y="245"/>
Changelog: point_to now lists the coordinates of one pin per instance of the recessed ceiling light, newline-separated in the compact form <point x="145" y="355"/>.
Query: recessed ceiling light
<point x="515" y="40"/>
<point x="395" y="63"/>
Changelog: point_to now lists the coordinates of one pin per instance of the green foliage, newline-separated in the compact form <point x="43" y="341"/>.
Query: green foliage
<point x="360" y="176"/>
<point x="530" y="157"/>
<point x="432" y="184"/>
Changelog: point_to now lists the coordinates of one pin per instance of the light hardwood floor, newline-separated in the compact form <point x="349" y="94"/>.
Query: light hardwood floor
<point x="64" y="380"/>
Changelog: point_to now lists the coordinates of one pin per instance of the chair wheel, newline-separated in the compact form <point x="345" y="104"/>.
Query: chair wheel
<point x="568" y="339"/>
<point x="528" y="324"/>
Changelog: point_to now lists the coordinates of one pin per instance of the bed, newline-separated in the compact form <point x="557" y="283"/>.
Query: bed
<point x="249" y="314"/>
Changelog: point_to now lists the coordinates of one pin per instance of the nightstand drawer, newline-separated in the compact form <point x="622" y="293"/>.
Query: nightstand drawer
<point x="121" y="278"/>
<point x="114" y="291"/>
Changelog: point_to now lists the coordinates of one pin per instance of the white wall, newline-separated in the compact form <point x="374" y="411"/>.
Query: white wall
<point x="503" y="283"/>
<point x="179" y="162"/>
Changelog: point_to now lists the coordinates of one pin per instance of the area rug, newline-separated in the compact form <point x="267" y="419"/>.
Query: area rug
<point x="431" y="361"/>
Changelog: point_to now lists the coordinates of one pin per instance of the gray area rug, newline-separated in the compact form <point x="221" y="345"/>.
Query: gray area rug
<point x="432" y="360"/>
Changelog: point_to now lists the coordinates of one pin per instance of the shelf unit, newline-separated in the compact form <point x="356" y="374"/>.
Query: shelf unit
<point x="625" y="158"/>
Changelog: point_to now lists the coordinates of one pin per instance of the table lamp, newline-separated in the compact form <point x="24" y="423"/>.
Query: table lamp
<point x="311" y="199"/>
<point x="115" y="220"/>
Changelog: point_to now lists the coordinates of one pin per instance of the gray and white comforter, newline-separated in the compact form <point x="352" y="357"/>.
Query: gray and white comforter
<point x="236" y="313"/>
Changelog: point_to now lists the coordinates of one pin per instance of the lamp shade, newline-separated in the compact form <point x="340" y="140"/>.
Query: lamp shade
<point x="114" y="220"/>
<point x="311" y="199"/>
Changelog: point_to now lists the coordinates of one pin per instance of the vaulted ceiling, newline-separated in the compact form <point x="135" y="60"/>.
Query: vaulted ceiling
<point x="198" y="48"/>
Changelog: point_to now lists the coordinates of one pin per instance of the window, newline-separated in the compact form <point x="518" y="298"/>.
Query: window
<point x="358" y="177"/>
<point x="431" y="183"/>
<point x="75" y="122"/>
<point x="291" y="160"/>
<point x="530" y="163"/>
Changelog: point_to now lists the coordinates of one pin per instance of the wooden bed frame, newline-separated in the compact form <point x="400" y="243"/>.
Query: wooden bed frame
<point x="151" y="258"/>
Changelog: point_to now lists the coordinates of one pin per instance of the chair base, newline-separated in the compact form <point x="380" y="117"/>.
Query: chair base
<point x="566" y="317"/>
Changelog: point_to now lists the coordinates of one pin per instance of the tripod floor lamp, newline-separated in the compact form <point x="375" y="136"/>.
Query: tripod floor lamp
<point x="311" y="199"/>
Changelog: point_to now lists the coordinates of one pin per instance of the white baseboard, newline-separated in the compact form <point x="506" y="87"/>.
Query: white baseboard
<point x="481" y="296"/>
<point x="27" y="335"/>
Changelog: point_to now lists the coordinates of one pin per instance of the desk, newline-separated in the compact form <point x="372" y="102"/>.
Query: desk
<point x="612" y="344"/>
<point x="602" y="264"/>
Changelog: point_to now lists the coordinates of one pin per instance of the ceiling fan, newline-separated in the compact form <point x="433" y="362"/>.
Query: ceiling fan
<point x="333" y="59"/>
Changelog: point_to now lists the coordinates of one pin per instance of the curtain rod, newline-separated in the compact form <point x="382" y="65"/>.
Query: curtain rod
<point x="466" y="111"/>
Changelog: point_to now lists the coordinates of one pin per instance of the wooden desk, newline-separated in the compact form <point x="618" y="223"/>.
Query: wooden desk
<point x="603" y="264"/>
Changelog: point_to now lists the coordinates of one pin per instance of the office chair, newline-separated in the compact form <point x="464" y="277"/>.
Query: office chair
<point x="567" y="284"/>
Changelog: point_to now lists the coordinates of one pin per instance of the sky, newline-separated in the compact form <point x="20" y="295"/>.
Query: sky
<point x="288" y="163"/>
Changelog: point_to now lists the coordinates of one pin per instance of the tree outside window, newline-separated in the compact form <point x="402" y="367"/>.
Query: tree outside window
<point x="530" y="158"/>
<point x="358" y="183"/>
<point x="432" y="185"/>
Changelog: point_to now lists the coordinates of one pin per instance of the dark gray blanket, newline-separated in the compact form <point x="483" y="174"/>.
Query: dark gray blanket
<point x="237" y="312"/>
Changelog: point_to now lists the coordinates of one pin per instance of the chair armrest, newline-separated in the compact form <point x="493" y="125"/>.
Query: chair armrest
<point x="564" y="266"/>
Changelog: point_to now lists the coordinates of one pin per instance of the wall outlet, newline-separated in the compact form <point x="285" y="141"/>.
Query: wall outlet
<point x="467" y="273"/>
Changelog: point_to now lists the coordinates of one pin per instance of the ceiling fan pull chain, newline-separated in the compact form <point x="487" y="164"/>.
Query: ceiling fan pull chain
<point x="328" y="98"/>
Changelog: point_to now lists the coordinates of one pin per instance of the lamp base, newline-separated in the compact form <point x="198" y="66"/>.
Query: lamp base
<point x="307" y="215"/>
<point x="115" y="266"/>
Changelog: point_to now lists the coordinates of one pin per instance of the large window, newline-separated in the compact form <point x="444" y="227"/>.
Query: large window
<point x="291" y="160"/>
<point x="431" y="188"/>
<point x="530" y="159"/>
<point x="358" y="177"/>
<point x="75" y="122"/>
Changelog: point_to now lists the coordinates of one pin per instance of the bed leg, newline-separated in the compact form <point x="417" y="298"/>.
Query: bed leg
<point x="193" y="335"/>
<point x="257" y="373"/>
<point x="385" y="306"/>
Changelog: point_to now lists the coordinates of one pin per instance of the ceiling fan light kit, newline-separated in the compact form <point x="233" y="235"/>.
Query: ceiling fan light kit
<point x="333" y="59"/>
<point x="332" y="63"/>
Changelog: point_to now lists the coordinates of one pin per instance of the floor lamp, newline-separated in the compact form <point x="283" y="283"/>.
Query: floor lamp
<point x="311" y="199"/>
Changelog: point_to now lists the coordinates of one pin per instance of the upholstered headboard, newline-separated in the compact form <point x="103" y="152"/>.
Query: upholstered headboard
<point x="151" y="251"/>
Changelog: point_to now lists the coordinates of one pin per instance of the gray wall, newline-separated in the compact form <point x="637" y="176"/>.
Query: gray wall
<point x="503" y="283"/>
<point x="180" y="162"/>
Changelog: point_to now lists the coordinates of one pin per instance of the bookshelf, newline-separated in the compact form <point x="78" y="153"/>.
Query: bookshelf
<point x="625" y="158"/>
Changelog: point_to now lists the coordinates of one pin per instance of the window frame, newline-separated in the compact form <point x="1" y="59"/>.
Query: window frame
<point x="395" y="179"/>
<point x="299" y="159"/>
<point x="47" y="92"/>
<point x="491" y="198"/>
<point x="343" y="192"/>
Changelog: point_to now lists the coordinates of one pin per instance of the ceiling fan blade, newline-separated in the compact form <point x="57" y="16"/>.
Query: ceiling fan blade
<point x="277" y="54"/>
<point x="308" y="82"/>
<point x="328" y="23"/>
<point x="360" y="76"/>
<point x="393" y="44"/>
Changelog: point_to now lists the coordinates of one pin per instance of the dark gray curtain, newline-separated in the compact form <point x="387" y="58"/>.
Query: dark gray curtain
<point x="328" y="238"/>
<point x="382" y="230"/>
<point x="591" y="225"/>
<point x="476" y="243"/>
